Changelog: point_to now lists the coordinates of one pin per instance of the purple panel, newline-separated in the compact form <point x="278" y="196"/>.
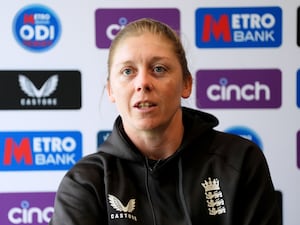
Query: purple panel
<point x="257" y="88"/>
<point x="26" y="208"/>
<point x="110" y="21"/>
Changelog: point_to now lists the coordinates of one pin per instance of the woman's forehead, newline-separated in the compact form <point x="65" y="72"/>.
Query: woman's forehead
<point x="150" y="54"/>
<point x="144" y="35"/>
<point x="141" y="42"/>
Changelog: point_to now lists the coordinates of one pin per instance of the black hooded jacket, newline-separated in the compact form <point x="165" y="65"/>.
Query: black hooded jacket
<point x="214" y="178"/>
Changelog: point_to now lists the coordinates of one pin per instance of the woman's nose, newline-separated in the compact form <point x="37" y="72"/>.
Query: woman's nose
<point x="143" y="81"/>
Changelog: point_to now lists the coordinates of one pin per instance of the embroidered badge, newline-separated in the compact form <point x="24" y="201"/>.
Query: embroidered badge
<point x="214" y="197"/>
<point x="123" y="211"/>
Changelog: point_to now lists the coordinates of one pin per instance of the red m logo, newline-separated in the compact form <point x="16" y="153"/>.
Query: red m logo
<point x="218" y="29"/>
<point x="19" y="152"/>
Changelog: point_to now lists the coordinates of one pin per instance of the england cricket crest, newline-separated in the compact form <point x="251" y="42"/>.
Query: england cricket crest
<point x="214" y="197"/>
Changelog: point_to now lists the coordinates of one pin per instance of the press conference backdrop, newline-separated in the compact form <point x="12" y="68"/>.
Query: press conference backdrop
<point x="244" y="57"/>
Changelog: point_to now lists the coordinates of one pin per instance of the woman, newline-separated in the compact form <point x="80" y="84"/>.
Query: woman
<point x="163" y="164"/>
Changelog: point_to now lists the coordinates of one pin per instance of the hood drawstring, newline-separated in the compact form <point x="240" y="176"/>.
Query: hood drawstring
<point x="146" y="166"/>
<point x="181" y="194"/>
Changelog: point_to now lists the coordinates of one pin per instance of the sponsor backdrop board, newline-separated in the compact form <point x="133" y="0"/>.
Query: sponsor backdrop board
<point x="244" y="57"/>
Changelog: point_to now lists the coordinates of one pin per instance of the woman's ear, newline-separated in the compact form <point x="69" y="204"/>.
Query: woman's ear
<point x="110" y="92"/>
<point x="187" y="87"/>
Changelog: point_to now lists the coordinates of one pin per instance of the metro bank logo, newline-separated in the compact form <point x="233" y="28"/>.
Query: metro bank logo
<point x="238" y="88"/>
<point x="110" y="21"/>
<point x="39" y="150"/>
<point x="238" y="27"/>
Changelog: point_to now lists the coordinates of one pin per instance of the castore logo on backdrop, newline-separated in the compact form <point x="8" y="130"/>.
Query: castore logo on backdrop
<point x="238" y="88"/>
<point x="26" y="208"/>
<point x="39" y="150"/>
<point x="36" y="28"/>
<point x="238" y="27"/>
<point x="110" y="21"/>
<point x="40" y="89"/>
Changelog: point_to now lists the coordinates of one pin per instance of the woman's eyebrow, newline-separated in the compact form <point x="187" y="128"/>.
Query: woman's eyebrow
<point x="127" y="62"/>
<point x="157" y="58"/>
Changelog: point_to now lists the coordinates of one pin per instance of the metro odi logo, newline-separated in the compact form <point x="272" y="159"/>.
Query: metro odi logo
<point x="36" y="28"/>
<point x="39" y="150"/>
<point x="238" y="27"/>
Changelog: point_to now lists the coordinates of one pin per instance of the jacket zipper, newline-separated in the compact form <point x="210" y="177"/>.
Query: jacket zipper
<point x="147" y="168"/>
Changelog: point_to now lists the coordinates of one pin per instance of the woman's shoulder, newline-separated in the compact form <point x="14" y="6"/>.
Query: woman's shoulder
<point x="236" y="150"/>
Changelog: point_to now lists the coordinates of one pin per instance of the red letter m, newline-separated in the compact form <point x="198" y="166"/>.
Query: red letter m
<point x="11" y="150"/>
<point x="217" y="28"/>
<point x="28" y="18"/>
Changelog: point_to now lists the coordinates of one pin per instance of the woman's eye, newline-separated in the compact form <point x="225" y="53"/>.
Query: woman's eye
<point x="127" y="72"/>
<point x="159" y="69"/>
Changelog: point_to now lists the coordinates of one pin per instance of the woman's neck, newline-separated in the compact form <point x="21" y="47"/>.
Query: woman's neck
<point x="159" y="143"/>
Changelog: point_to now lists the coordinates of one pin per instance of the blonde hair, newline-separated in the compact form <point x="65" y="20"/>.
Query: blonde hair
<point x="140" y="26"/>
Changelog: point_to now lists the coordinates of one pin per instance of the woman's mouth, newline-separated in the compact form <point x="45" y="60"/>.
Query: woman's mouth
<point x="143" y="105"/>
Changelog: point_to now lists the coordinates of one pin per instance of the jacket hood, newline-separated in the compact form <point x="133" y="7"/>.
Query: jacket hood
<point x="195" y="124"/>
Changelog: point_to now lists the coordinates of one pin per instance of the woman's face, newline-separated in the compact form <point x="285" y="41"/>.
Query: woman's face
<point x="146" y="82"/>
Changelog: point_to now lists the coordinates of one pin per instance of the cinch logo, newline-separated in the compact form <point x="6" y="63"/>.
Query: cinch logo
<point x="39" y="150"/>
<point x="238" y="27"/>
<point x="40" y="89"/>
<point x="238" y="88"/>
<point x="298" y="88"/>
<point x="110" y="21"/>
<point x="247" y="133"/>
<point x="36" y="28"/>
<point x="26" y="208"/>
<point x="102" y="136"/>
